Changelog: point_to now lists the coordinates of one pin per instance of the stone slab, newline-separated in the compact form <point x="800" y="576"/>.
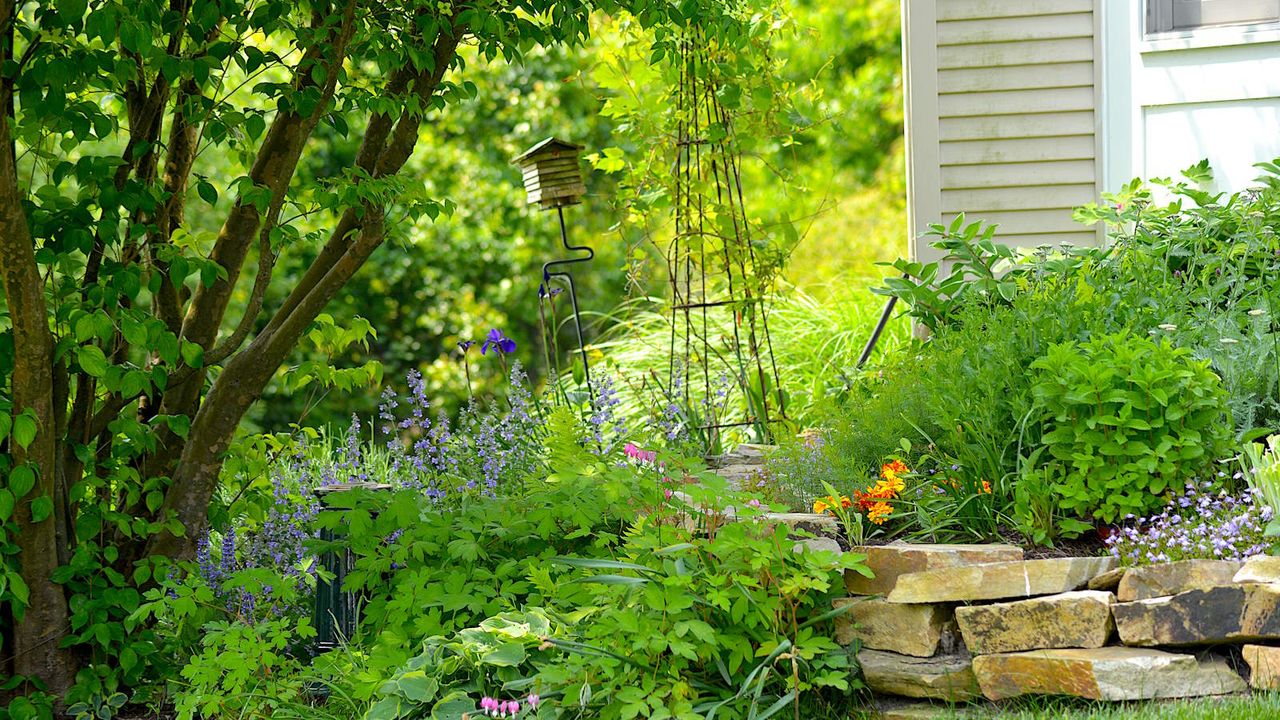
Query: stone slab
<point x="997" y="581"/>
<point x="906" y="629"/>
<point x="1228" y="613"/>
<point x="1109" y="673"/>
<point x="1109" y="580"/>
<point x="1264" y="666"/>
<point x="818" y="544"/>
<point x="1259" y="569"/>
<point x="942" y="677"/>
<point x="818" y="524"/>
<point x="1163" y="579"/>
<point x="1080" y="619"/>
<point x="889" y="562"/>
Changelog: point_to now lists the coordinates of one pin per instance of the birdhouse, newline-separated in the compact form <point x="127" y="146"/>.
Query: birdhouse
<point x="552" y="177"/>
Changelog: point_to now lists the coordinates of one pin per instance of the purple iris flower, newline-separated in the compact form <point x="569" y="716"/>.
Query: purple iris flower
<point x="465" y="345"/>
<point x="499" y="342"/>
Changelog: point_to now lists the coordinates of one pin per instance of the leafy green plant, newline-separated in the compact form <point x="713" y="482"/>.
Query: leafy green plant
<point x="1126" y="419"/>
<point x="1035" y="512"/>
<point x="98" y="708"/>
<point x="688" y="616"/>
<point x="1261" y="466"/>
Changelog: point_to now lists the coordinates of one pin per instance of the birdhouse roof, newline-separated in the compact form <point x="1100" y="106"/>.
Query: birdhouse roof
<point x="551" y="145"/>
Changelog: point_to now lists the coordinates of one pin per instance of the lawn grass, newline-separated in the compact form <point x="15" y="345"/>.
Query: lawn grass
<point x="1261" y="706"/>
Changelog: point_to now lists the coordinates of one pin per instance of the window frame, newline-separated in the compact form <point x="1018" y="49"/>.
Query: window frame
<point x="1157" y="22"/>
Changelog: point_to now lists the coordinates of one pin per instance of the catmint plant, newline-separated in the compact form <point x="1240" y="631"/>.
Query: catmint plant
<point x="1199" y="524"/>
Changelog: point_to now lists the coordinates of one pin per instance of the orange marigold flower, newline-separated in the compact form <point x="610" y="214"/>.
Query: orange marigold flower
<point x="893" y="469"/>
<point x="845" y="501"/>
<point x="880" y="512"/>
<point x="986" y="487"/>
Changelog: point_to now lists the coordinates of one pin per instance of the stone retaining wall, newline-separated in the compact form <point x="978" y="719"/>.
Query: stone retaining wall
<point x="961" y="623"/>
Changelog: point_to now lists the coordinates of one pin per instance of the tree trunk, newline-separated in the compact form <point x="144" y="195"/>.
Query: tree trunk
<point x="44" y="621"/>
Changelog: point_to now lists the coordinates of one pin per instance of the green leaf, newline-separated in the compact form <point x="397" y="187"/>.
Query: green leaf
<point x="41" y="508"/>
<point x="6" y="504"/>
<point x="454" y="706"/>
<point x="508" y="654"/>
<point x="24" y="429"/>
<point x="92" y="360"/>
<point x="192" y="354"/>
<point x="21" y="480"/>
<point x="417" y="686"/>
<point x="388" y="708"/>
<point x="207" y="192"/>
<point x="18" y="588"/>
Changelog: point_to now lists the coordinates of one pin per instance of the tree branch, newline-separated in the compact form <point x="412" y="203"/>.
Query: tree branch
<point x="247" y="372"/>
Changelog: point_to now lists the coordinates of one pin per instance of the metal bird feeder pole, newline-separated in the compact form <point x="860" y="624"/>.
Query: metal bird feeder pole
<point x="553" y="179"/>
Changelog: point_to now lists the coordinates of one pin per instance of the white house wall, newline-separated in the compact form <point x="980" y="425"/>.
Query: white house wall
<point x="1172" y="101"/>
<point x="1001" y="116"/>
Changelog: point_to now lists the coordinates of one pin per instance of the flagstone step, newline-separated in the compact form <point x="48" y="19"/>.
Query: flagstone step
<point x="892" y="561"/>
<point x="997" y="581"/>
<point x="1109" y="673"/>
<point x="1080" y="619"/>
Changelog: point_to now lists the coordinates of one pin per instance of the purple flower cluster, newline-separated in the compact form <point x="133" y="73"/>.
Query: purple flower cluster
<point x="491" y="446"/>
<point x="280" y="543"/>
<point x="607" y="427"/>
<point x="1200" y="524"/>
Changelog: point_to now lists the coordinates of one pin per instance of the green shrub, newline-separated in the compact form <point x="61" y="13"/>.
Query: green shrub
<point x="1126" y="419"/>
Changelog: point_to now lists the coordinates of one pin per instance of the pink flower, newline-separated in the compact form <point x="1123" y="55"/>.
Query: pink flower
<point x="534" y="700"/>
<point x="667" y="493"/>
<point x="634" y="452"/>
<point x="753" y="503"/>
<point x="515" y="708"/>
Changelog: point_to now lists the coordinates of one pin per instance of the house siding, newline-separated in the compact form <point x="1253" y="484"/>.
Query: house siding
<point x="1002" y="106"/>
<point x="1176" y="98"/>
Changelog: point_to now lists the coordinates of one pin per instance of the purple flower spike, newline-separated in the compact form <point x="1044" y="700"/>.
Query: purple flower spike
<point x="499" y="342"/>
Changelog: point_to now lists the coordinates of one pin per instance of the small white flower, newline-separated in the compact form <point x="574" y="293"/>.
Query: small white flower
<point x="1167" y="326"/>
<point x="1256" y="312"/>
<point x="1228" y="341"/>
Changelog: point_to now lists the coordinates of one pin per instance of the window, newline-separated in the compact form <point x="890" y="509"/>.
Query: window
<point x="1164" y="16"/>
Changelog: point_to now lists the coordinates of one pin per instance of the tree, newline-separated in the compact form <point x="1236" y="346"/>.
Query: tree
<point x="123" y="127"/>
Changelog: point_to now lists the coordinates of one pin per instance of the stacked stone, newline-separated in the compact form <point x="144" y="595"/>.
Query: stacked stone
<point x="962" y="622"/>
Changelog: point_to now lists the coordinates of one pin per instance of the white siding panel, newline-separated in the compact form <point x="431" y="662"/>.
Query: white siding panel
<point x="976" y="9"/>
<point x="1030" y="52"/>
<point x="1013" y="97"/>
<point x="1085" y="237"/>
<point x="996" y="30"/>
<point x="1015" y="77"/>
<point x="986" y="200"/>
<point x="1025" y="222"/>
<point x="1065" y="172"/>
<point x="1015" y="102"/>
<point x="1180" y="136"/>
<point x="986" y="152"/>
<point x="1016" y="126"/>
